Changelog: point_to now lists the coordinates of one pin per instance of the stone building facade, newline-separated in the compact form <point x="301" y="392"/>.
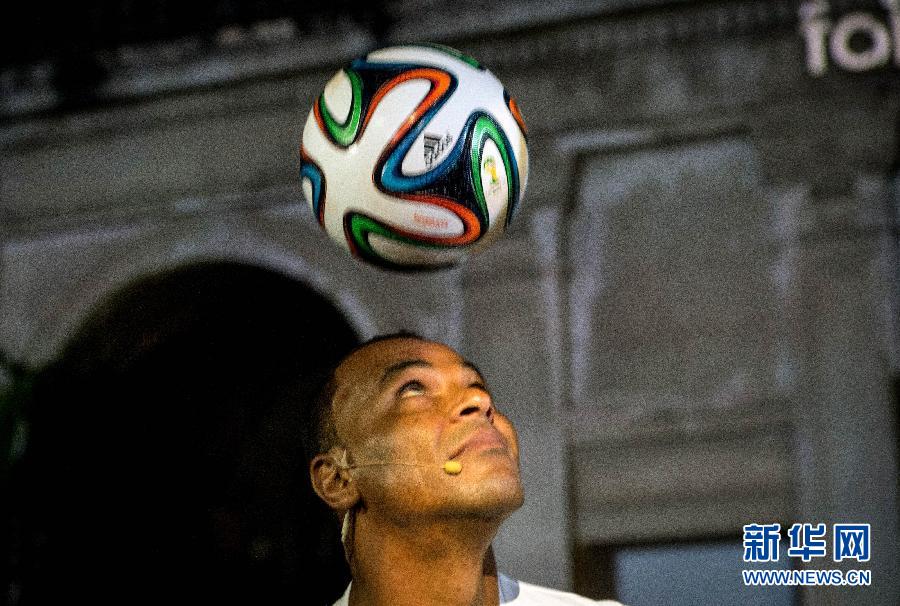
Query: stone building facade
<point x="693" y="321"/>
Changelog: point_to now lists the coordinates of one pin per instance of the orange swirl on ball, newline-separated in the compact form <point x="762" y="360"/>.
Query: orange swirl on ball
<point x="440" y="84"/>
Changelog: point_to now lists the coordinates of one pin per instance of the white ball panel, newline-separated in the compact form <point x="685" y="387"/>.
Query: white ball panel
<point x="306" y="185"/>
<point x="425" y="219"/>
<point x="401" y="252"/>
<point x="339" y="96"/>
<point x="418" y="55"/>
<point x="493" y="181"/>
<point x="521" y="152"/>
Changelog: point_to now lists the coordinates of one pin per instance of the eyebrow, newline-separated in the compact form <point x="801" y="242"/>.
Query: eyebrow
<point x="474" y="369"/>
<point x="394" y="369"/>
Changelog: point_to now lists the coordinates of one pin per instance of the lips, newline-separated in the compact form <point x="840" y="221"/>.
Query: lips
<point x="481" y="440"/>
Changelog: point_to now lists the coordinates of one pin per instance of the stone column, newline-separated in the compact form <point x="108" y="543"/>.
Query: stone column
<point x="839" y="263"/>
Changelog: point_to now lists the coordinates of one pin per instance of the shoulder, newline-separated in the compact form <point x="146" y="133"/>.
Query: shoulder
<point x="344" y="600"/>
<point x="535" y="595"/>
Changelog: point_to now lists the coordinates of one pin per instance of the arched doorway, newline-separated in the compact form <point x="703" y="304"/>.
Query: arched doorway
<point x="166" y="459"/>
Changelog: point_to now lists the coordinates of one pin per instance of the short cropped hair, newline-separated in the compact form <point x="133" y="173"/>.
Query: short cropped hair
<point x="324" y="431"/>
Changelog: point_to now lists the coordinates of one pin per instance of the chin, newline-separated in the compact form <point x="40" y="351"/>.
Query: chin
<point x="494" y="495"/>
<point x="495" y="506"/>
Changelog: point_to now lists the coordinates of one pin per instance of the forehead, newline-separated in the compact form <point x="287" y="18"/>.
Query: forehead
<point x="360" y="375"/>
<point x="368" y="365"/>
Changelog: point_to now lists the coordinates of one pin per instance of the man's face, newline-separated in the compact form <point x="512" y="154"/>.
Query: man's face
<point x="410" y="401"/>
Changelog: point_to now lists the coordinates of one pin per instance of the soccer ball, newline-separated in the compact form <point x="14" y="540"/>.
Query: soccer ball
<point x="413" y="156"/>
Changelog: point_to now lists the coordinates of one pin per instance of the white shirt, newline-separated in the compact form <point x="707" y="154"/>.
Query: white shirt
<point x="517" y="593"/>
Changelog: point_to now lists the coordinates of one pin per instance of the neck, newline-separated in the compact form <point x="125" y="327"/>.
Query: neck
<point x="438" y="563"/>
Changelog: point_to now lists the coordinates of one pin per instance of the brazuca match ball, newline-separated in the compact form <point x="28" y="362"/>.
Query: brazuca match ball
<point x="413" y="156"/>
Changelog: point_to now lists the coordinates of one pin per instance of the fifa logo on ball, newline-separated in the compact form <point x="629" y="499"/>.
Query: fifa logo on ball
<point x="856" y="42"/>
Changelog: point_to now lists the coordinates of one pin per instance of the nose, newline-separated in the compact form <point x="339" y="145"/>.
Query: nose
<point x="474" y="402"/>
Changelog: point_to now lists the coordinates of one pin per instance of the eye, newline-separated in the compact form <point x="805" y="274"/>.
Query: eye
<point x="411" y="388"/>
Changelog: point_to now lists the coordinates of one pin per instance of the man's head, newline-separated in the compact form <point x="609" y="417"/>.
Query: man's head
<point x="393" y="412"/>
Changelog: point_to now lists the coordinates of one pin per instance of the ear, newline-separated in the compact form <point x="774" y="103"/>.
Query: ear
<point x="332" y="481"/>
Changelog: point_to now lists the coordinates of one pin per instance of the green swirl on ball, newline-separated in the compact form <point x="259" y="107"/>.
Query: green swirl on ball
<point x="358" y="227"/>
<point x="484" y="129"/>
<point x="344" y="134"/>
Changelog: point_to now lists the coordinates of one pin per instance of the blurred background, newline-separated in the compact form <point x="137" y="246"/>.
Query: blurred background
<point x="693" y="321"/>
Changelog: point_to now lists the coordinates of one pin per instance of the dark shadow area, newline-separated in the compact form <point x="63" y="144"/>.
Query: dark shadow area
<point x="76" y="48"/>
<point x="42" y="31"/>
<point x="166" y="454"/>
